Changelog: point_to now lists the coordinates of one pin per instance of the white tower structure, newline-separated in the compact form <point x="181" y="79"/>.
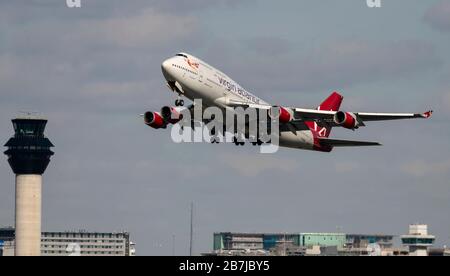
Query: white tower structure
<point x="418" y="240"/>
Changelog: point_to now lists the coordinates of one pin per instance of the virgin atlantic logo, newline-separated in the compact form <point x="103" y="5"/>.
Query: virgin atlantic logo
<point x="194" y="65"/>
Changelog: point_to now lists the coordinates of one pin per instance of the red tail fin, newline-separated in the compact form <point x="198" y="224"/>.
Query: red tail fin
<point x="332" y="103"/>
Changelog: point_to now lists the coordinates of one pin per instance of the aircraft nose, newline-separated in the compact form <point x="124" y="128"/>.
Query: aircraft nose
<point x="166" y="67"/>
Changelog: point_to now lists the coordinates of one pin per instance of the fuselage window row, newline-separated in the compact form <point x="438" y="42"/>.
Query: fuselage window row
<point x="185" y="69"/>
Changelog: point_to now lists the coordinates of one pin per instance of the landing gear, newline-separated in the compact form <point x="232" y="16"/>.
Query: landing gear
<point x="255" y="141"/>
<point x="215" y="140"/>
<point x="237" y="143"/>
<point x="179" y="102"/>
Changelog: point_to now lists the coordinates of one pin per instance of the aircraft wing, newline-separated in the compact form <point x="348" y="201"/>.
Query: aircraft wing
<point x="302" y="114"/>
<point x="328" y="116"/>
<point x="392" y="116"/>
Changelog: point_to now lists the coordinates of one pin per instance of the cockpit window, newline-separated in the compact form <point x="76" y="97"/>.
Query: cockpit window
<point x="181" y="55"/>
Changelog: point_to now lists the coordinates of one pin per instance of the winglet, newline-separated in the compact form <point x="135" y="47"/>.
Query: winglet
<point x="427" y="114"/>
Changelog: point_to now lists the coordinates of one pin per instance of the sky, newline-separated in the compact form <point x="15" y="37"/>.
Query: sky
<point x="92" y="70"/>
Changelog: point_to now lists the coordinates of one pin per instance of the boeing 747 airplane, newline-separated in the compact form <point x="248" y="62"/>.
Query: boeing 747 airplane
<point x="300" y="128"/>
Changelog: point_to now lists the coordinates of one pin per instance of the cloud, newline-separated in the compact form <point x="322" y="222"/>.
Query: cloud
<point x="269" y="46"/>
<point x="254" y="165"/>
<point x="346" y="63"/>
<point x="438" y="16"/>
<point x="9" y="67"/>
<point x="195" y="5"/>
<point x="25" y="10"/>
<point x="338" y="64"/>
<point x="346" y="167"/>
<point x="421" y="168"/>
<point x="144" y="29"/>
<point x="79" y="61"/>
<point x="446" y="101"/>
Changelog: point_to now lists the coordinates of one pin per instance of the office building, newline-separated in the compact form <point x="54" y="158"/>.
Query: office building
<point x="78" y="243"/>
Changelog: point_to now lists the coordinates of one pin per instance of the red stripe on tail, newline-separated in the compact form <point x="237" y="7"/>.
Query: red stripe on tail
<point x="332" y="103"/>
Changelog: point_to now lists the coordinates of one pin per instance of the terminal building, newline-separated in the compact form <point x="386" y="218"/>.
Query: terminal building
<point x="418" y="242"/>
<point x="283" y="244"/>
<point x="79" y="243"/>
<point x="363" y="241"/>
<point x="236" y="242"/>
<point x="304" y="244"/>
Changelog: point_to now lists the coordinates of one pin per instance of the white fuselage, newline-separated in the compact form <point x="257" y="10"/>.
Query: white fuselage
<point x="196" y="79"/>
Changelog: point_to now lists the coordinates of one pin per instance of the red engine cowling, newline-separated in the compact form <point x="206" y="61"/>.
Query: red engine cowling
<point x="171" y="115"/>
<point x="286" y="115"/>
<point x="154" y="120"/>
<point x="346" y="120"/>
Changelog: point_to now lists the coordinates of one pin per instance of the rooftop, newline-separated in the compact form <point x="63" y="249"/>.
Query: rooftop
<point x="24" y="115"/>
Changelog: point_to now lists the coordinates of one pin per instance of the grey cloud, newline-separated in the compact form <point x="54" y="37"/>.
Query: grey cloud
<point x="346" y="167"/>
<point x="438" y="16"/>
<point x="26" y="10"/>
<point x="252" y="166"/>
<point x="77" y="60"/>
<point x="269" y="46"/>
<point x="338" y="64"/>
<point x="196" y="5"/>
<point x="143" y="30"/>
<point x="421" y="168"/>
<point x="446" y="100"/>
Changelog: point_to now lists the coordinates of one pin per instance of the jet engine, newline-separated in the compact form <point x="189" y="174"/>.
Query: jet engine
<point x="154" y="120"/>
<point x="346" y="120"/>
<point x="286" y="115"/>
<point x="172" y="115"/>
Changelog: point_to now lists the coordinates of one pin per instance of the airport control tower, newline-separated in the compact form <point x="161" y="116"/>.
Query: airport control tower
<point x="29" y="155"/>
<point x="418" y="240"/>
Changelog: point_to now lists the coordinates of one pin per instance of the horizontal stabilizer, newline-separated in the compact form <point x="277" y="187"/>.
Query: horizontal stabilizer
<point x="346" y="143"/>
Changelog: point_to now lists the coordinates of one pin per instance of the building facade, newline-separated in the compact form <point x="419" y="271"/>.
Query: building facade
<point x="278" y="244"/>
<point x="78" y="243"/>
<point x="365" y="240"/>
<point x="329" y="244"/>
<point x="7" y="236"/>
<point x="418" y="240"/>
<point x="7" y="248"/>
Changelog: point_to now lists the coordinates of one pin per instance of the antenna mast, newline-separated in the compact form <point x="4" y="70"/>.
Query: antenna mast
<point x="191" y="243"/>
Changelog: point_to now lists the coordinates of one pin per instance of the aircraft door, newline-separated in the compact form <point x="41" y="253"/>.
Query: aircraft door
<point x="200" y="75"/>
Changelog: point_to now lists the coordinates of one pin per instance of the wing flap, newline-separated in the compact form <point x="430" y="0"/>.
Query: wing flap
<point x="346" y="143"/>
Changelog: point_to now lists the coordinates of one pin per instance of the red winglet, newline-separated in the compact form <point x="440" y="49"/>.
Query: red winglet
<point x="427" y="114"/>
